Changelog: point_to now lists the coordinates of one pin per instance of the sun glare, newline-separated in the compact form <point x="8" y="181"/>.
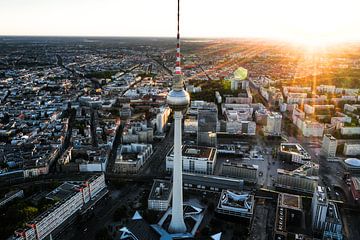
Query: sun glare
<point x="309" y="22"/>
<point x="323" y="22"/>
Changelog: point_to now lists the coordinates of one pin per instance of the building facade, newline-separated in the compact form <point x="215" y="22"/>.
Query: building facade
<point x="196" y="159"/>
<point x="70" y="199"/>
<point x="329" y="146"/>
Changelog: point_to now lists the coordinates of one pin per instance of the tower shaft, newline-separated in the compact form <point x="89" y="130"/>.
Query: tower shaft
<point x="177" y="224"/>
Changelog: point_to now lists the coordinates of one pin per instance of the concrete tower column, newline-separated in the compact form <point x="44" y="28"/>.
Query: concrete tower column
<point x="177" y="224"/>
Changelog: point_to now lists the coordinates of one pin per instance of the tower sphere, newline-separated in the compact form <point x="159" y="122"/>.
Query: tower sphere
<point x="178" y="100"/>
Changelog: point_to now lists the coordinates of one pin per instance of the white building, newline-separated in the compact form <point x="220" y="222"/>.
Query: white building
<point x="350" y="131"/>
<point x="196" y="159"/>
<point x="329" y="146"/>
<point x="273" y="124"/>
<point x="236" y="204"/>
<point x="351" y="149"/>
<point x="241" y="127"/>
<point x="131" y="157"/>
<point x="160" y="195"/>
<point x="137" y="132"/>
<point x="326" y="88"/>
<point x="293" y="152"/>
<point x="70" y="199"/>
<point x="319" y="208"/>
<point x="312" y="129"/>
<point x="162" y="118"/>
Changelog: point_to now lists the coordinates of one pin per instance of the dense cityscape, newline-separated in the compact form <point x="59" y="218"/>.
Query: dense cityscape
<point x="130" y="138"/>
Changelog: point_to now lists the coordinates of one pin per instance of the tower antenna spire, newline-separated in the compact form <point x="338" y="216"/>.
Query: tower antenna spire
<point x="178" y="82"/>
<point x="178" y="56"/>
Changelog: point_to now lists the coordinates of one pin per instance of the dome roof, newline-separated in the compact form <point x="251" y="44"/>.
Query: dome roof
<point x="354" y="162"/>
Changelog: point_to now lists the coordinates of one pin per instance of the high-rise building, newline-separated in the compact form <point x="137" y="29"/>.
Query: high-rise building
<point x="329" y="146"/>
<point x="160" y="195"/>
<point x="207" y="125"/>
<point x="178" y="100"/>
<point x="273" y="124"/>
<point x="326" y="218"/>
<point x="319" y="208"/>
<point x="162" y="119"/>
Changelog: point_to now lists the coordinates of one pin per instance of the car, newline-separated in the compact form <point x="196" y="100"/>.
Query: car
<point x="337" y="194"/>
<point x="261" y="173"/>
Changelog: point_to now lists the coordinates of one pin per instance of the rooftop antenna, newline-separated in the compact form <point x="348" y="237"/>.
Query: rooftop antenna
<point x="178" y="82"/>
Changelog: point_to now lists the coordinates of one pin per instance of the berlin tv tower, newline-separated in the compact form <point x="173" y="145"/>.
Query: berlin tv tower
<point x="178" y="100"/>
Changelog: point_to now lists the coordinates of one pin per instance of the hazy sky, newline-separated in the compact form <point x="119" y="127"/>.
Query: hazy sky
<point x="304" y="20"/>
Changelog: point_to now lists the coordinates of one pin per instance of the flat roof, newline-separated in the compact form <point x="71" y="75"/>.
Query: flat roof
<point x="241" y="165"/>
<point x="197" y="151"/>
<point x="290" y="201"/>
<point x="200" y="152"/>
<point x="293" y="148"/>
<point x="236" y="201"/>
<point x="161" y="190"/>
<point x="62" y="192"/>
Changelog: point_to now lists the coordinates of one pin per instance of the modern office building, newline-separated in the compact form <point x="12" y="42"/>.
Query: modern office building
<point x="70" y="198"/>
<point x="319" y="207"/>
<point x="293" y="152"/>
<point x="196" y="159"/>
<point x="245" y="172"/>
<point x="273" y="124"/>
<point x="333" y="224"/>
<point x="211" y="183"/>
<point x="352" y="149"/>
<point x="289" y="219"/>
<point x="131" y="157"/>
<point x="329" y="146"/>
<point x="162" y="118"/>
<point x="241" y="127"/>
<point x="160" y="195"/>
<point x="207" y="125"/>
<point x="239" y="204"/>
<point x="303" y="179"/>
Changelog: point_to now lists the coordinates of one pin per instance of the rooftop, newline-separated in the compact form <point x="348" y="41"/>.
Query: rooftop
<point x="293" y="148"/>
<point x="290" y="201"/>
<point x="161" y="190"/>
<point x="353" y="162"/>
<point x="200" y="152"/>
<point x="236" y="201"/>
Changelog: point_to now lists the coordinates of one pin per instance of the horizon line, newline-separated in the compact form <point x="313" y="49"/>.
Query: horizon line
<point x="258" y="38"/>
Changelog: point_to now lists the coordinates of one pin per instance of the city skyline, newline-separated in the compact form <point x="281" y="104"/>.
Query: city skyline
<point x="306" y="22"/>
